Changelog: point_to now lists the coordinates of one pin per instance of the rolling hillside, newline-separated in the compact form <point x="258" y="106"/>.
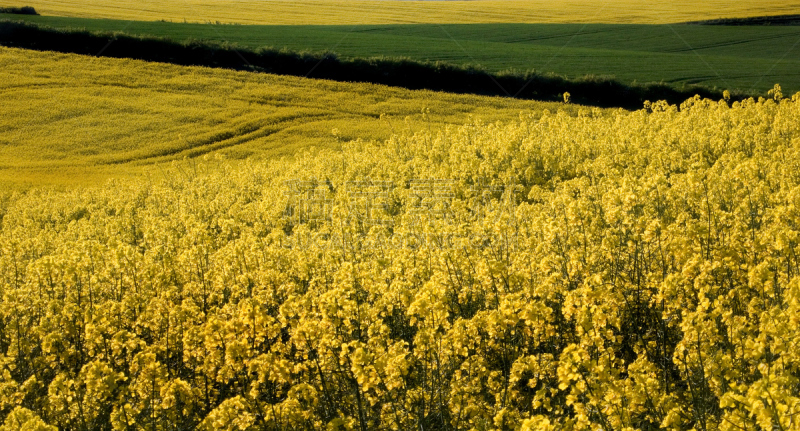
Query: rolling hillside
<point x="72" y="119"/>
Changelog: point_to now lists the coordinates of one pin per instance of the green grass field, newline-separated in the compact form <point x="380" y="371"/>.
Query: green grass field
<point x="748" y="58"/>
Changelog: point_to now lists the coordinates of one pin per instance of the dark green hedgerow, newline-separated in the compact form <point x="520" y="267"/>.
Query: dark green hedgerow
<point x="756" y="20"/>
<point x="24" y="10"/>
<point x="411" y="74"/>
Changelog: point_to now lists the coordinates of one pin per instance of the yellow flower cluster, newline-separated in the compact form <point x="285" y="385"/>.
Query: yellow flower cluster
<point x="629" y="271"/>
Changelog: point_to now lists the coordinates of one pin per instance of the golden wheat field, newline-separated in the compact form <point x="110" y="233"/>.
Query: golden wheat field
<point x="328" y="12"/>
<point x="76" y="119"/>
<point x="588" y="270"/>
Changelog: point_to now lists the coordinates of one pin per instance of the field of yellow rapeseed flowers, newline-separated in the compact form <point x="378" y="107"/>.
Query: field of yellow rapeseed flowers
<point x="329" y="12"/>
<point x="623" y="270"/>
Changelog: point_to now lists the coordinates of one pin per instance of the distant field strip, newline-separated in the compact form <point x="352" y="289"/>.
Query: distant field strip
<point x="752" y="57"/>
<point x="75" y="118"/>
<point x="324" y="12"/>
